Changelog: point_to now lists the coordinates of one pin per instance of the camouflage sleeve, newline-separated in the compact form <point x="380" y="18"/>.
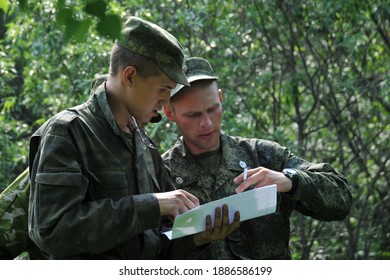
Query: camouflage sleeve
<point x="63" y="221"/>
<point x="322" y="192"/>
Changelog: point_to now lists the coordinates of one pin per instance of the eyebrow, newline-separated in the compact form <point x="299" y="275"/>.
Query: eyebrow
<point x="167" y="86"/>
<point x="212" y="107"/>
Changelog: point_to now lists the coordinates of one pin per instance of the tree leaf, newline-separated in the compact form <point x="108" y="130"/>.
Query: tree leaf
<point x="23" y="5"/>
<point x="96" y="8"/>
<point x="64" y="15"/>
<point x="110" y="26"/>
<point x="76" y="29"/>
<point x="4" y="5"/>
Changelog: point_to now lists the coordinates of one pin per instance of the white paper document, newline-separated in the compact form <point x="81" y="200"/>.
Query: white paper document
<point x="251" y="204"/>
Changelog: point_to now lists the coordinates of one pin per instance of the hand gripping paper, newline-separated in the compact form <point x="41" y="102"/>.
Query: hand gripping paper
<point x="251" y="204"/>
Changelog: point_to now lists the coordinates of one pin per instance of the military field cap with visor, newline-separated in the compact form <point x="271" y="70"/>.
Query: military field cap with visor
<point x="153" y="42"/>
<point x="197" y="69"/>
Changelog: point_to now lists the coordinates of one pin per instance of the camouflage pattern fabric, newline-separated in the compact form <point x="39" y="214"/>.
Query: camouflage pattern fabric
<point x="196" y="69"/>
<point x="92" y="186"/>
<point x="14" y="239"/>
<point x="151" y="41"/>
<point x="322" y="193"/>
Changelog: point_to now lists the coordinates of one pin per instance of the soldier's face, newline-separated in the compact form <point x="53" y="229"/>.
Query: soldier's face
<point x="198" y="113"/>
<point x="146" y="96"/>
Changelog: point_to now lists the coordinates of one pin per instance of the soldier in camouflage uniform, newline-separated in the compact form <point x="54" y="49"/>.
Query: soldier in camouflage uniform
<point x="209" y="163"/>
<point x="99" y="188"/>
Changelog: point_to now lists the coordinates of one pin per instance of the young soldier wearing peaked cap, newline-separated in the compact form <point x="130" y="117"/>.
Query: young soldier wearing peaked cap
<point x="98" y="186"/>
<point x="211" y="164"/>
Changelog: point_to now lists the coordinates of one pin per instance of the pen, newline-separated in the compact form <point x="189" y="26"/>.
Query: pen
<point x="243" y="165"/>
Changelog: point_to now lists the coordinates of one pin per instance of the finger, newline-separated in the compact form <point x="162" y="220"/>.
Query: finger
<point x="183" y="202"/>
<point x="209" y="226"/>
<point x="191" y="201"/>
<point x="178" y="206"/>
<point x="251" y="177"/>
<point x="185" y="206"/>
<point x="217" y="221"/>
<point x="236" y="217"/>
<point x="239" y="179"/>
<point x="235" y="224"/>
<point x="236" y="220"/>
<point x="178" y="210"/>
<point x="242" y="187"/>
<point x="260" y="186"/>
<point x="225" y="215"/>
<point x="225" y="221"/>
<point x="194" y="200"/>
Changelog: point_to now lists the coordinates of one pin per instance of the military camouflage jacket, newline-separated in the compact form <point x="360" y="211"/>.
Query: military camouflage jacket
<point x="92" y="186"/>
<point x="322" y="193"/>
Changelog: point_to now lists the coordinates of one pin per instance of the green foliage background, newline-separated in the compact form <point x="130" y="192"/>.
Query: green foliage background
<point x="312" y="75"/>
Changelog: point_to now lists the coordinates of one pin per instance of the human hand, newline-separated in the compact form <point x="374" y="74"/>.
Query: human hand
<point x="260" y="177"/>
<point x="176" y="202"/>
<point x="221" y="229"/>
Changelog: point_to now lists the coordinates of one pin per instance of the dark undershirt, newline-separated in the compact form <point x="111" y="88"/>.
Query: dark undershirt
<point x="210" y="161"/>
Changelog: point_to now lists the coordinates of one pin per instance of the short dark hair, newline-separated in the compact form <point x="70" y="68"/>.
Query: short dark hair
<point x="121" y="57"/>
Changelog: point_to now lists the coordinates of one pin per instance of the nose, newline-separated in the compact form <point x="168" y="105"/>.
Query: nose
<point x="205" y="121"/>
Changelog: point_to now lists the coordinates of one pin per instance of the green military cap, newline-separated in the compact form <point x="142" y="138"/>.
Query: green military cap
<point x="196" y="69"/>
<point x="150" y="40"/>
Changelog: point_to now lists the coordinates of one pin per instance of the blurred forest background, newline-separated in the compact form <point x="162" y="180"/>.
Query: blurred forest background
<point x="311" y="75"/>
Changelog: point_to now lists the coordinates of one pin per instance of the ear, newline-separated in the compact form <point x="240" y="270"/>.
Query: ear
<point x="128" y="74"/>
<point x="168" y="113"/>
<point x="220" y="95"/>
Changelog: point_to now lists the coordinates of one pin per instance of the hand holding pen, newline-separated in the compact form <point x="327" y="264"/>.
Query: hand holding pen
<point x="259" y="177"/>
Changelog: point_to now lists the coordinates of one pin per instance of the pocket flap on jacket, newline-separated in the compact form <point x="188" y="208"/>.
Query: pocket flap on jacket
<point x="61" y="178"/>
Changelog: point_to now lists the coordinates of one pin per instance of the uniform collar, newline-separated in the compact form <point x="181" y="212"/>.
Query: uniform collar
<point x="186" y="172"/>
<point x="180" y="146"/>
<point x="232" y="152"/>
<point x="100" y="96"/>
